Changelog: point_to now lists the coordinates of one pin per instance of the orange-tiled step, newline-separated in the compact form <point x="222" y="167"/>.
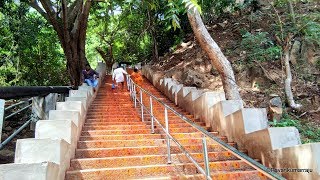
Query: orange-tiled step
<point x="94" y="163"/>
<point x="116" y="144"/>
<point x="143" y="150"/>
<point x="135" y="143"/>
<point x="108" y="123"/>
<point x="237" y="175"/>
<point x="115" y="127"/>
<point x="114" y="119"/>
<point x="155" y="170"/>
<point x="120" y="137"/>
<point x="113" y="123"/>
<point x="114" y="132"/>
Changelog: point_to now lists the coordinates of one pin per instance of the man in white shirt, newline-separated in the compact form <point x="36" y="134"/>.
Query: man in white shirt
<point x="118" y="76"/>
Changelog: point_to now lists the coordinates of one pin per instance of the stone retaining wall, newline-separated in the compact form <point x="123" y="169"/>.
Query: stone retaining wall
<point x="279" y="148"/>
<point x="47" y="156"/>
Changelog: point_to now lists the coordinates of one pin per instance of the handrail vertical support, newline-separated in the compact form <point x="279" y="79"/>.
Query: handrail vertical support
<point x="135" y="96"/>
<point x="167" y="132"/>
<point x="1" y="115"/>
<point x="128" y="82"/>
<point x="151" y="115"/>
<point x="141" y="104"/>
<point x="205" y="156"/>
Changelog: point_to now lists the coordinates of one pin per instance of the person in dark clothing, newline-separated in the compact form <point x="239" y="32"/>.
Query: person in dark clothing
<point x="90" y="76"/>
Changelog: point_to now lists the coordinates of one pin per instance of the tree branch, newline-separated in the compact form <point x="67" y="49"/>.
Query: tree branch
<point x="74" y="9"/>
<point x="35" y="5"/>
<point x="51" y="17"/>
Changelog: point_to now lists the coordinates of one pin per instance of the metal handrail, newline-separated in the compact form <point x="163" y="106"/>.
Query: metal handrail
<point x="2" y="144"/>
<point x="261" y="168"/>
<point x="14" y="134"/>
<point x="17" y="104"/>
<point x="15" y="113"/>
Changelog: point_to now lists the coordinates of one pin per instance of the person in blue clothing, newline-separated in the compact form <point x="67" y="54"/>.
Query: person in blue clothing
<point x="90" y="76"/>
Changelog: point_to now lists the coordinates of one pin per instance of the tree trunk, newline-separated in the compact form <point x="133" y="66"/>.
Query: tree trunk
<point x="71" y="26"/>
<point x="287" y="86"/>
<point x="216" y="56"/>
<point x="109" y="61"/>
<point x="155" y="53"/>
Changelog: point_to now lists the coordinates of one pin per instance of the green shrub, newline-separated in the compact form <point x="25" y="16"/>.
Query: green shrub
<point x="308" y="133"/>
<point x="259" y="47"/>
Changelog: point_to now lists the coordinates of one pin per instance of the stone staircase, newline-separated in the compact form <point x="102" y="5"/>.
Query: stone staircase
<point x="278" y="148"/>
<point x="116" y="144"/>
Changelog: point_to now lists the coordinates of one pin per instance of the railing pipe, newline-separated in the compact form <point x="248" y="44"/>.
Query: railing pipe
<point x="17" y="104"/>
<point x="135" y="95"/>
<point x="141" y="104"/>
<point x="205" y="156"/>
<point x="151" y="116"/>
<point x="14" y="134"/>
<point x="179" y="145"/>
<point x="20" y="110"/>
<point x="264" y="170"/>
<point x="167" y="132"/>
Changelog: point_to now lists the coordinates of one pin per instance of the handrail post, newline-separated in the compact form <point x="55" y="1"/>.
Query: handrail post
<point x="135" y="95"/>
<point x="151" y="115"/>
<point x="205" y="156"/>
<point x="141" y="104"/>
<point x="130" y="88"/>
<point x="128" y="79"/>
<point x="167" y="132"/>
<point x="2" y="102"/>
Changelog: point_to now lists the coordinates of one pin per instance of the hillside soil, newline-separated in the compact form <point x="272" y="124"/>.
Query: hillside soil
<point x="258" y="81"/>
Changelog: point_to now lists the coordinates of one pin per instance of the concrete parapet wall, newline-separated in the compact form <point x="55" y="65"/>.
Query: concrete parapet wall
<point x="55" y="139"/>
<point x="276" y="147"/>
<point x="174" y="92"/>
<point x="244" y="121"/>
<point x="61" y="129"/>
<point x="72" y="115"/>
<point x="80" y="93"/>
<point x="164" y="84"/>
<point x="305" y="156"/>
<point x="87" y="88"/>
<point x="155" y="78"/>
<point x="188" y="102"/>
<point x="182" y="93"/>
<point x="43" y="150"/>
<point x="29" y="171"/>
<point x="203" y="103"/>
<point x="73" y="105"/>
<point x="82" y="99"/>
<point x="218" y="112"/>
<point x="167" y="90"/>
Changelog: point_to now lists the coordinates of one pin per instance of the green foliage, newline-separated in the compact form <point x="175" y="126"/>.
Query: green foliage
<point x="259" y="47"/>
<point x="125" y="28"/>
<point x="308" y="133"/>
<point x="311" y="27"/>
<point x="30" y="53"/>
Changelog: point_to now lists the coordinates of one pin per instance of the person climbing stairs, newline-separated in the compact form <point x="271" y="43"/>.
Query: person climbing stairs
<point x="116" y="144"/>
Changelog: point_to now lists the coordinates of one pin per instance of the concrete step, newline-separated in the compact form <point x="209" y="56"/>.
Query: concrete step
<point x="111" y="162"/>
<point x="120" y="137"/>
<point x="171" y="124"/>
<point x="137" y="143"/>
<point x="155" y="170"/>
<point x="115" y="127"/>
<point x="116" y="144"/>
<point x="143" y="150"/>
<point x="238" y="175"/>
<point x="115" y="132"/>
<point x="127" y="127"/>
<point x="115" y="123"/>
